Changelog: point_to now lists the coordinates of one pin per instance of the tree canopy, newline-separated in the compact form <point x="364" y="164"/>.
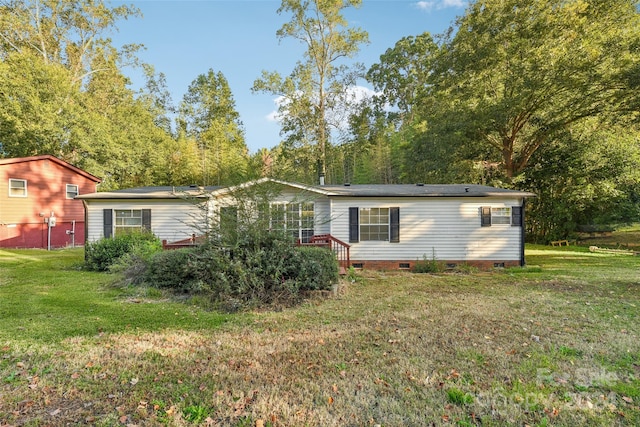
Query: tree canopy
<point x="317" y="90"/>
<point x="540" y="95"/>
<point x="513" y="75"/>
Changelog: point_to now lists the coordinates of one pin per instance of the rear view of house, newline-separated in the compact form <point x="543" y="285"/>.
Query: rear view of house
<point x="37" y="202"/>
<point x="380" y="226"/>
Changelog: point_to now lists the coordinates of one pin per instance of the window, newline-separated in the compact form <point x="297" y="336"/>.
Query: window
<point x="127" y="220"/>
<point x="374" y="224"/>
<point x="307" y="222"/>
<point x="17" y="188"/>
<point x="72" y="191"/>
<point x="277" y="216"/>
<point x="506" y="216"/>
<point x="501" y="216"/>
<point x="297" y="219"/>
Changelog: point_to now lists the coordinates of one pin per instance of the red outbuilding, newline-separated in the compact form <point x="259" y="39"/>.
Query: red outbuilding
<point x="37" y="202"/>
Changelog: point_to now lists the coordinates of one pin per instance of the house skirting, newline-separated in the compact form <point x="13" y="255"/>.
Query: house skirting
<point x="448" y="264"/>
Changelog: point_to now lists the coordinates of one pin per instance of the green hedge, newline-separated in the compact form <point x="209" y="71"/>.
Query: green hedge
<point x="104" y="253"/>
<point x="259" y="270"/>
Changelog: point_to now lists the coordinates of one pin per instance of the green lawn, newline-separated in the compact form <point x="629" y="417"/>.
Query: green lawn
<point x="554" y="343"/>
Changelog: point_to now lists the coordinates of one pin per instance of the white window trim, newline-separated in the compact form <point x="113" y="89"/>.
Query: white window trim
<point x="499" y="214"/>
<point x="11" y="180"/>
<point x="123" y="227"/>
<point x="378" y="224"/>
<point x="67" y="190"/>
<point x="286" y="225"/>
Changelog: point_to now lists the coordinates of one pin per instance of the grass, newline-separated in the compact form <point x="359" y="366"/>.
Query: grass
<point x="626" y="237"/>
<point x="555" y="343"/>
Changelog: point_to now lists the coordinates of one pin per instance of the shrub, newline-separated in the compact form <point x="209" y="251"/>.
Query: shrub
<point x="317" y="268"/>
<point x="262" y="269"/>
<point x="428" y="265"/>
<point x="171" y="269"/>
<point x="104" y="253"/>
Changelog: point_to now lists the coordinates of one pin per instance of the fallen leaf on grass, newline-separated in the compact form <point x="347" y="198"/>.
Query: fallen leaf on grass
<point x="627" y="399"/>
<point x="552" y="412"/>
<point x="55" y="412"/>
<point x="453" y="374"/>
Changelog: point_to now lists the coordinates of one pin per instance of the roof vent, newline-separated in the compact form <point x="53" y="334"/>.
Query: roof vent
<point x="420" y="184"/>
<point x="347" y="184"/>
<point x="466" y="189"/>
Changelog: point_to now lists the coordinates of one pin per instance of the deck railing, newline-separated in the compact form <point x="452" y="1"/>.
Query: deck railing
<point x="340" y="248"/>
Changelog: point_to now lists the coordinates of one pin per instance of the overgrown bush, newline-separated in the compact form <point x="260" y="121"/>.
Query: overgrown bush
<point x="104" y="253"/>
<point x="171" y="269"/>
<point x="317" y="268"/>
<point x="261" y="269"/>
<point x="427" y="265"/>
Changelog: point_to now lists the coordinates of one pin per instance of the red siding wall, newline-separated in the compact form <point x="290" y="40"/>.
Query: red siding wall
<point x="23" y="220"/>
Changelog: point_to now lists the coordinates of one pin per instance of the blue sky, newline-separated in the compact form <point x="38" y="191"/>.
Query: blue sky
<point x="183" y="39"/>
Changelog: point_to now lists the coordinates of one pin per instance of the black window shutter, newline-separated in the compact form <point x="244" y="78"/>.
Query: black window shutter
<point x="146" y="219"/>
<point x="354" y="227"/>
<point x="485" y="218"/>
<point x="516" y="216"/>
<point x="107" y="222"/>
<point x="394" y="230"/>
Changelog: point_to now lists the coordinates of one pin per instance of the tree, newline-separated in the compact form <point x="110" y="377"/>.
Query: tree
<point x="38" y="107"/>
<point x="157" y="97"/>
<point x="128" y="148"/>
<point x="401" y="77"/>
<point x="208" y="115"/>
<point x="512" y="75"/>
<point x="316" y="91"/>
<point x="597" y="183"/>
<point x="64" y="32"/>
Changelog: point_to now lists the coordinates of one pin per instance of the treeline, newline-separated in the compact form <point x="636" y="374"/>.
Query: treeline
<point x="538" y="95"/>
<point x="63" y="92"/>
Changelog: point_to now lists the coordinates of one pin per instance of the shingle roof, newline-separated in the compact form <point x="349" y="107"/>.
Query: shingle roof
<point x="347" y="190"/>
<point x="419" y="190"/>
<point x="166" y="192"/>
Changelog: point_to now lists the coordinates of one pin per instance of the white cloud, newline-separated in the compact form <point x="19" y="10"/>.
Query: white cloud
<point x="453" y="3"/>
<point x="355" y="94"/>
<point x="425" y="5"/>
<point x="440" y="4"/>
<point x="274" y="116"/>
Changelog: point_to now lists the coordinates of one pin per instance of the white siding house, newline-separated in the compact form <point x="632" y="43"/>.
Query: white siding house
<point x="171" y="213"/>
<point x="385" y="226"/>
